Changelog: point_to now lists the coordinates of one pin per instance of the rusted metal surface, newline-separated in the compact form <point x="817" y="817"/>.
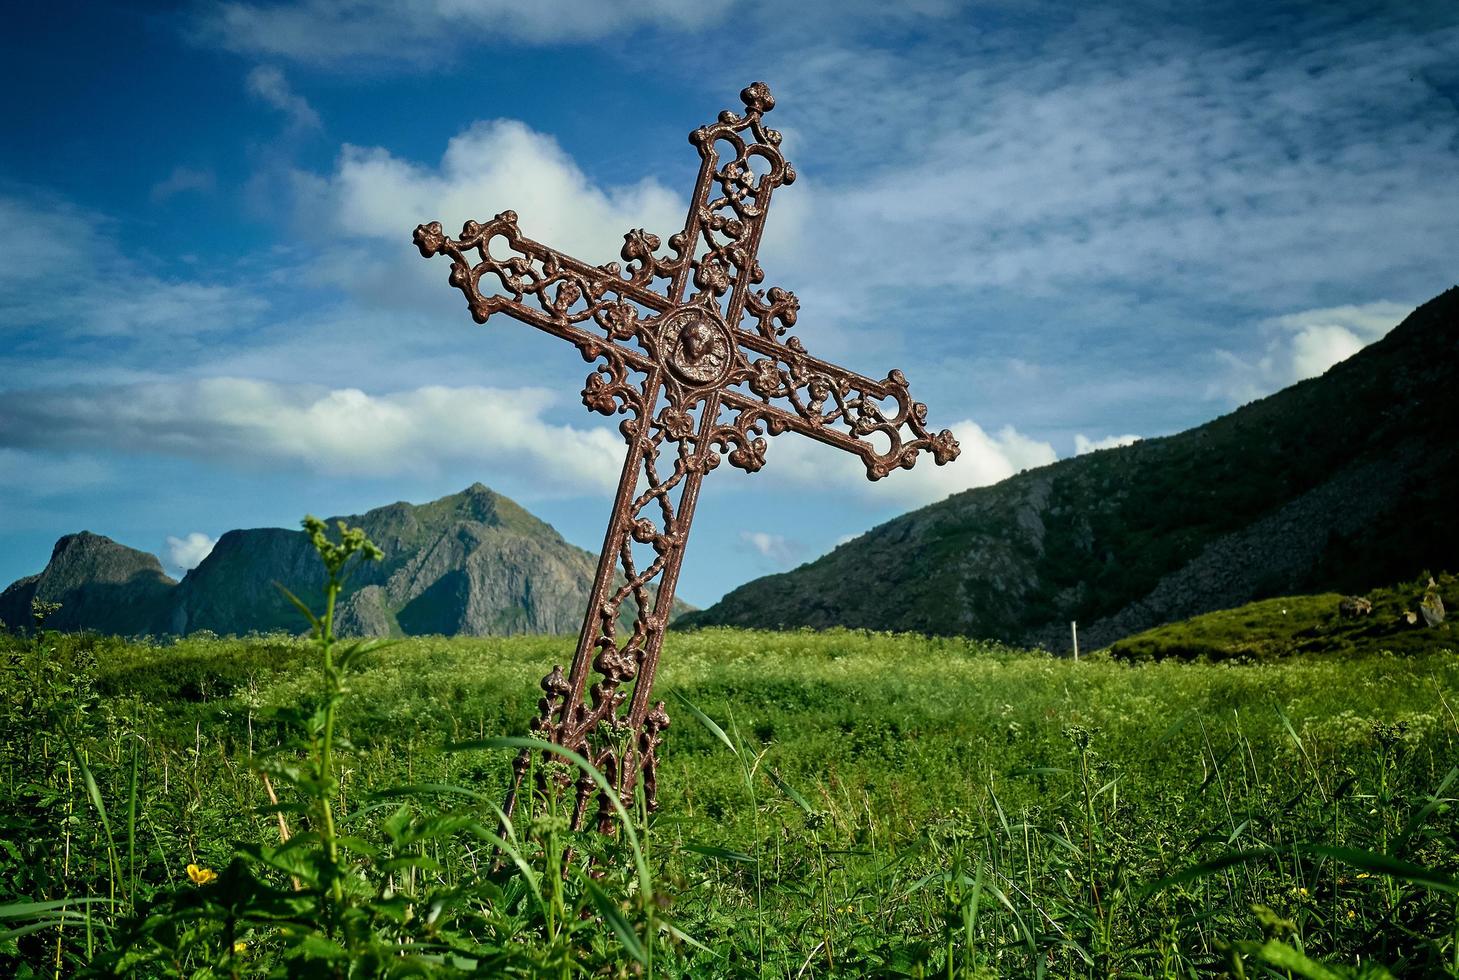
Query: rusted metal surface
<point x="696" y="360"/>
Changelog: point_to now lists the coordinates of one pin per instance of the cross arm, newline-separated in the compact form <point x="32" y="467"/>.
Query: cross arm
<point x="787" y="389"/>
<point x="551" y="290"/>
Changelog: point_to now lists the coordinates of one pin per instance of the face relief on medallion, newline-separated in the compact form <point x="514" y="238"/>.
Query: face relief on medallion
<point x="696" y="346"/>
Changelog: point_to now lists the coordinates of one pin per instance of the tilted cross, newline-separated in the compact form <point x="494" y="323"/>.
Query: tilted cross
<point x="718" y="349"/>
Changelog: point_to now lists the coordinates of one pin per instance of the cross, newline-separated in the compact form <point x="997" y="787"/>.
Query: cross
<point x="716" y="377"/>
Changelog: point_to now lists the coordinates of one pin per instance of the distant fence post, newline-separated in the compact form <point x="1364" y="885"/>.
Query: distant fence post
<point x="1074" y="631"/>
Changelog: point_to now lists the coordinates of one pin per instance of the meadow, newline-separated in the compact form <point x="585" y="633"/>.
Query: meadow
<point x="833" y="804"/>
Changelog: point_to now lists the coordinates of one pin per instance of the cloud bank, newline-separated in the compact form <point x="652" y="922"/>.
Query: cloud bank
<point x="337" y="432"/>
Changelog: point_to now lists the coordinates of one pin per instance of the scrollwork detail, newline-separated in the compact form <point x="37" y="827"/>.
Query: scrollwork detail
<point x="740" y="442"/>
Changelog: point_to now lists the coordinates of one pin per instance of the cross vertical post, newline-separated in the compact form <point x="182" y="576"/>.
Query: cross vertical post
<point x="717" y="377"/>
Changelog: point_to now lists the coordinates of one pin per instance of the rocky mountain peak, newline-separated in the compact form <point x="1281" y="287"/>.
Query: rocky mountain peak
<point x="92" y="576"/>
<point x="473" y="562"/>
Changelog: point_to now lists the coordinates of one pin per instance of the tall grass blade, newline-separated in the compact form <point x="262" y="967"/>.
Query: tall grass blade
<point x="708" y="723"/>
<point x="613" y="915"/>
<point x="790" y="791"/>
<point x="1383" y="864"/>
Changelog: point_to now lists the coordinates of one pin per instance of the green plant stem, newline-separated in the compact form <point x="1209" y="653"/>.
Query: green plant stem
<point x="326" y="751"/>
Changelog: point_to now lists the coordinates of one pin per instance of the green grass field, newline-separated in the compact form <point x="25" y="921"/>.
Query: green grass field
<point x="894" y="806"/>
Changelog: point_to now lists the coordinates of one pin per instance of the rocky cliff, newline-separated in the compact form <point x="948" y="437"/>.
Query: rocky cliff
<point x="474" y="563"/>
<point x="1340" y="482"/>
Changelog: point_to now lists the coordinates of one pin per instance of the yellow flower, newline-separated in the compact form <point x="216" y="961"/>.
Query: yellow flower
<point x="241" y="947"/>
<point x="1364" y="874"/>
<point x="1302" y="892"/>
<point x="201" y="875"/>
<point x="1352" y="914"/>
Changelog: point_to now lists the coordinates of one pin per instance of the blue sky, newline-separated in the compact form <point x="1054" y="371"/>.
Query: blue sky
<point x="1068" y="224"/>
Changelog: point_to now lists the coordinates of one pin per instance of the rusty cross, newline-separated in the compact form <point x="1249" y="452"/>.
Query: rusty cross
<point x="704" y="350"/>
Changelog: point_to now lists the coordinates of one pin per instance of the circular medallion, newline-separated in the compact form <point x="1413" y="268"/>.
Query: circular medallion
<point x="694" y="346"/>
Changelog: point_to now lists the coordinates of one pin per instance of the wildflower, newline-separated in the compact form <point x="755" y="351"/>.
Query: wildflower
<point x="201" y="875"/>
<point x="1364" y="874"/>
<point x="240" y="947"/>
<point x="1302" y="892"/>
<point x="1352" y="914"/>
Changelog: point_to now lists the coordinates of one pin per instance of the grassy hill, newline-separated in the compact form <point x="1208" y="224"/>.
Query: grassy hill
<point x="1305" y="624"/>
<point x="1337" y="483"/>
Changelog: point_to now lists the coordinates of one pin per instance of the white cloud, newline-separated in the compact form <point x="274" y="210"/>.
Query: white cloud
<point x="491" y="167"/>
<point x="985" y="459"/>
<point x="1083" y="444"/>
<point x="338" y="432"/>
<point x="185" y="554"/>
<point x="1304" y="345"/>
<point x="349" y="34"/>
<point x="269" y="84"/>
<point x="182" y="180"/>
<point x="774" y="550"/>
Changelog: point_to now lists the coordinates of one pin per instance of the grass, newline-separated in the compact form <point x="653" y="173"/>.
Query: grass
<point x="1307" y="624"/>
<point x="850" y="804"/>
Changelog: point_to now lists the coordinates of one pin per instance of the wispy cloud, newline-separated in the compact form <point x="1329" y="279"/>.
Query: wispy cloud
<point x="43" y="473"/>
<point x="775" y="551"/>
<point x="1111" y="158"/>
<point x="268" y="83"/>
<point x="350" y="34"/>
<point x="41" y="285"/>
<point x="182" y="180"/>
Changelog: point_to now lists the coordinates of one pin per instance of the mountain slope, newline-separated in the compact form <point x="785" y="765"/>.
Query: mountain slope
<point x="1388" y="618"/>
<point x="93" y="578"/>
<point x="1338" y="482"/>
<point x="473" y="563"/>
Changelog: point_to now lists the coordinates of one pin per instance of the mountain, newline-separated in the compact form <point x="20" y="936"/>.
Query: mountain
<point x="473" y="563"/>
<point x="95" y="580"/>
<point x="1336" y="483"/>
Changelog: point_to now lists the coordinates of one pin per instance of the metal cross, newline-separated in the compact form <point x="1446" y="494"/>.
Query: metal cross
<point x="711" y="348"/>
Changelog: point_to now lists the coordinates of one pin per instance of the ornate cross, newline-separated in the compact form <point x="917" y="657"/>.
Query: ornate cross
<point x="704" y="352"/>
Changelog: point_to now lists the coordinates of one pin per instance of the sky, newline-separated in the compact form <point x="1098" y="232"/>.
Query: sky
<point x="1070" y="225"/>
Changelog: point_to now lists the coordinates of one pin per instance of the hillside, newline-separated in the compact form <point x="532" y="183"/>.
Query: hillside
<point x="1337" y="483"/>
<point x="474" y="563"/>
<point x="1307" y="624"/>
